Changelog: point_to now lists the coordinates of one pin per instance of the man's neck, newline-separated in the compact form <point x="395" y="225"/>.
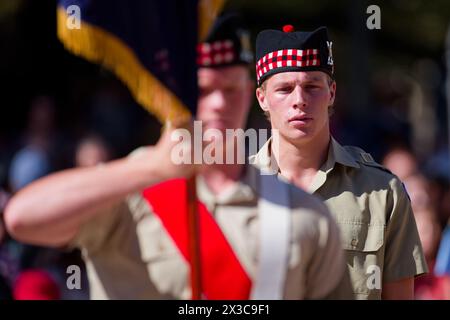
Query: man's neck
<point x="299" y="163"/>
<point x="221" y="176"/>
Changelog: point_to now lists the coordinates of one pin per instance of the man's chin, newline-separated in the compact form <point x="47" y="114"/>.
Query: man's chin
<point x="217" y="125"/>
<point x="298" y="136"/>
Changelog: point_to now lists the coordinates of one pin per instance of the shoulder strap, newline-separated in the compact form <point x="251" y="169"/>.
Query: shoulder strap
<point x="223" y="276"/>
<point x="365" y="158"/>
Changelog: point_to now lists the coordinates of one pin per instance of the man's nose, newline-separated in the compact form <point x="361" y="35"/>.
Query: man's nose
<point x="217" y="100"/>
<point x="299" y="99"/>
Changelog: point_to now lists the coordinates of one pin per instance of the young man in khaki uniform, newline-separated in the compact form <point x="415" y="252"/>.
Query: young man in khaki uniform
<point x="371" y="207"/>
<point x="129" y="246"/>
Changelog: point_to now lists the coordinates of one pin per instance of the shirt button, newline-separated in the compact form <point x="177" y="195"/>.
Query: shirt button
<point x="354" y="242"/>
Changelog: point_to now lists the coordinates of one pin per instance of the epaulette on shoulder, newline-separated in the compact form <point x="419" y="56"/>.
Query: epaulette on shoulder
<point x="365" y="158"/>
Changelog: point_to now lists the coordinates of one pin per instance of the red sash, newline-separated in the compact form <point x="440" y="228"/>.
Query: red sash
<point x="223" y="277"/>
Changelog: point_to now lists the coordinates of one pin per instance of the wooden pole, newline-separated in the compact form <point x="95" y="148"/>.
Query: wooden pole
<point x="194" y="239"/>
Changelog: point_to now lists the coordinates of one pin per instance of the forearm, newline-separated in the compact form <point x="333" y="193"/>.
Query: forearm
<point x="50" y="210"/>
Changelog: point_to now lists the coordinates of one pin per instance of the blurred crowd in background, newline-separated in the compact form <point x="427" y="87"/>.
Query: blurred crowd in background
<point x="59" y="111"/>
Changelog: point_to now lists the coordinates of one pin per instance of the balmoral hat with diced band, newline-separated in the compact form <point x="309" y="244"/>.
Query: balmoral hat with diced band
<point x="288" y="50"/>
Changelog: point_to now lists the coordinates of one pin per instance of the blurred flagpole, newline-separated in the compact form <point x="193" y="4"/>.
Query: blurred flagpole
<point x="207" y="11"/>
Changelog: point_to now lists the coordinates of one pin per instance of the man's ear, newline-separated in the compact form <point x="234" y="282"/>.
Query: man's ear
<point x="262" y="100"/>
<point x="250" y="88"/>
<point x="332" y="93"/>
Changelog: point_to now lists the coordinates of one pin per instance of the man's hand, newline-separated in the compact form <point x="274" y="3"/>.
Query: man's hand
<point x="159" y="157"/>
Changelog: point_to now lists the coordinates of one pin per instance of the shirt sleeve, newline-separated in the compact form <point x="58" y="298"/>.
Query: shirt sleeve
<point x="403" y="251"/>
<point x="98" y="231"/>
<point x="94" y="233"/>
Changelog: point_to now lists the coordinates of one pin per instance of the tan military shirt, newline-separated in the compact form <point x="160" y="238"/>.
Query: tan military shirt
<point x="373" y="212"/>
<point x="129" y="255"/>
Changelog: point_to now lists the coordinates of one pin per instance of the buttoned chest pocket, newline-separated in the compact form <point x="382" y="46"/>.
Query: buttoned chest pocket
<point x="360" y="236"/>
<point x="364" y="247"/>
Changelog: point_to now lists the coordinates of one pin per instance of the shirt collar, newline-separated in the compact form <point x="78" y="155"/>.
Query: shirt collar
<point x="341" y="155"/>
<point x="239" y="192"/>
<point x="265" y="160"/>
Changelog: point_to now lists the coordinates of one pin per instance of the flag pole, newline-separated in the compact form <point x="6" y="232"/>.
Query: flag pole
<point x="194" y="239"/>
<point x="193" y="224"/>
<point x="207" y="11"/>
